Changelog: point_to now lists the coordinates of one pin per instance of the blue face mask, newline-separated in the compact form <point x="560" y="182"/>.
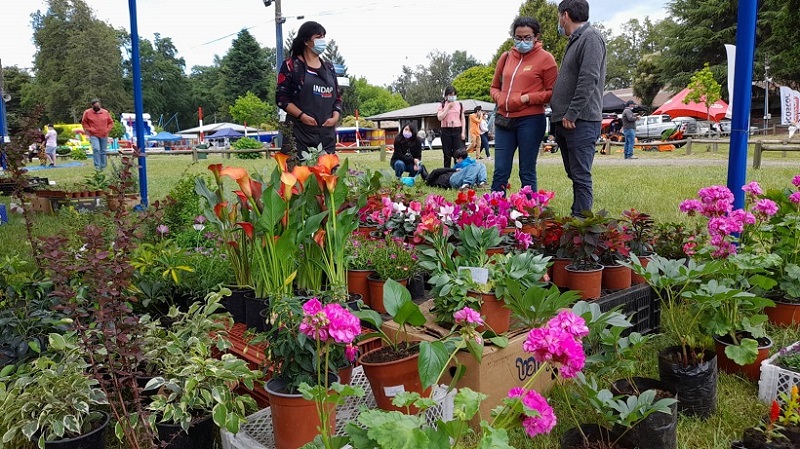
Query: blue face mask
<point x="523" y="47"/>
<point x="319" y="46"/>
<point x="561" y="30"/>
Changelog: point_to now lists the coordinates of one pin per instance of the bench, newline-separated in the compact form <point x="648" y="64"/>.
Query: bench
<point x="772" y="145"/>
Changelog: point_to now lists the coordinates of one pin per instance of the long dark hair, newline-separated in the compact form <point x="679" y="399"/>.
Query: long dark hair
<point x="306" y="31"/>
<point x="449" y="90"/>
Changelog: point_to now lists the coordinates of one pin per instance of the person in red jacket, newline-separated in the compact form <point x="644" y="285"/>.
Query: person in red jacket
<point x="97" y="123"/>
<point x="522" y="85"/>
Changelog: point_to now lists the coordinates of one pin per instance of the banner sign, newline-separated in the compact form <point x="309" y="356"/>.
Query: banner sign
<point x="790" y="106"/>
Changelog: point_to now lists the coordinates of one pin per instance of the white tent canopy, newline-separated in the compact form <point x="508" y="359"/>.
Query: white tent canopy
<point x="213" y="127"/>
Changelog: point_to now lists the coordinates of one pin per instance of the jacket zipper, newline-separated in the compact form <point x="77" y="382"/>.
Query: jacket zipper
<point x="511" y="85"/>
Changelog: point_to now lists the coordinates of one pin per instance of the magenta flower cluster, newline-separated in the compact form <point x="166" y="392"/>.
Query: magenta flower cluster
<point x="559" y="342"/>
<point x="716" y="203"/>
<point x="468" y="317"/>
<point x="331" y="323"/>
<point x="539" y="417"/>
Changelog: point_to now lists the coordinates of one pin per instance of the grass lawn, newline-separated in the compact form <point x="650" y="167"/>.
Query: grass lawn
<point x="655" y="183"/>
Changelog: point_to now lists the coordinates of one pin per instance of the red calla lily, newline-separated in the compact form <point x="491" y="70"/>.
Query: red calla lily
<point x="215" y="169"/>
<point x="219" y="208"/>
<point x="248" y="228"/>
<point x="319" y="237"/>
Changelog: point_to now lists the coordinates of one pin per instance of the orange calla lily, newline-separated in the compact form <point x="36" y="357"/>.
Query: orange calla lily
<point x="219" y="208"/>
<point x="301" y="172"/>
<point x="330" y="181"/>
<point x="236" y="173"/>
<point x="281" y="158"/>
<point x="242" y="199"/>
<point x="319" y="237"/>
<point x="255" y="189"/>
<point x="215" y="169"/>
<point x="248" y="229"/>
<point x="328" y="161"/>
<point x="288" y="181"/>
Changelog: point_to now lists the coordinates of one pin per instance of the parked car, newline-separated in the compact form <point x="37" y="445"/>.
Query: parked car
<point x="651" y="126"/>
<point x="694" y="127"/>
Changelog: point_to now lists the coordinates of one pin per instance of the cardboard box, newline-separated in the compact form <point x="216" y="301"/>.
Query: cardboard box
<point x="499" y="371"/>
<point x="41" y="205"/>
<point x="80" y="204"/>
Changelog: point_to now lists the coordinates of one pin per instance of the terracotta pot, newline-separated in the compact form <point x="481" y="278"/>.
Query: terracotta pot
<point x="616" y="277"/>
<point x="358" y="283"/>
<point x="389" y="378"/>
<point x="376" y="292"/>
<point x="784" y="313"/>
<point x="509" y="230"/>
<point x="637" y="279"/>
<point x="345" y="375"/>
<point x="751" y="370"/>
<point x="560" y="276"/>
<point x="588" y="283"/>
<point x="497" y="317"/>
<point x="495" y="250"/>
<point x="294" y="419"/>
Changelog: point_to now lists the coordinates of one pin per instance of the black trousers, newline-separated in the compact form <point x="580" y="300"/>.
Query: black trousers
<point x="451" y="141"/>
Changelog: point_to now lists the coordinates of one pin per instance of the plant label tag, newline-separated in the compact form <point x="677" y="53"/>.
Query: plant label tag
<point x="391" y="392"/>
<point x="479" y="275"/>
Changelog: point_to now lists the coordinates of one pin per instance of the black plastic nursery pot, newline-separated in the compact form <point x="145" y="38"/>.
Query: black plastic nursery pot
<point x="235" y="303"/>
<point x="657" y="431"/>
<point x="753" y="438"/>
<point x="696" y="384"/>
<point x="252" y="308"/>
<point x="201" y="434"/>
<point x="95" y="439"/>
<point x="574" y="438"/>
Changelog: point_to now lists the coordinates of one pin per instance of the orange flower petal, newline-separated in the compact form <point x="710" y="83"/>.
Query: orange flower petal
<point x="329" y="161"/>
<point x="281" y="158"/>
<point x="330" y="181"/>
<point x="236" y="173"/>
<point x="301" y="172"/>
<point x="215" y="169"/>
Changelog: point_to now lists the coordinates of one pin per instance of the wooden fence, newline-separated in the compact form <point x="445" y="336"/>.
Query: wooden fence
<point x="197" y="153"/>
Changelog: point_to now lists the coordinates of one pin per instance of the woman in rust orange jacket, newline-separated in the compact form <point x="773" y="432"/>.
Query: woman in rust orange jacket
<point x="522" y="85"/>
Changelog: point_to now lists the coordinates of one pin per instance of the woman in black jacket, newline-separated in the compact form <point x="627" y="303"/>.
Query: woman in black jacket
<point x="407" y="156"/>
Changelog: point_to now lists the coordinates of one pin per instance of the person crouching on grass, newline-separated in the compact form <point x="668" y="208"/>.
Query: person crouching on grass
<point x="468" y="171"/>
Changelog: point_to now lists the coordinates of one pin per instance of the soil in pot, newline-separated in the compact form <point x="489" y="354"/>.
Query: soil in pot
<point x="752" y="370"/>
<point x="93" y="439"/>
<point x="757" y="439"/>
<point x="694" y="380"/>
<point x="376" y="292"/>
<point x="200" y="436"/>
<point x="657" y="431"/>
<point x="596" y="437"/>
<point x="235" y="303"/>
<point x="391" y="372"/>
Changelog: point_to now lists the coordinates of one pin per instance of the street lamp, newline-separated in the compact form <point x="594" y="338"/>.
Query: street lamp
<point x="767" y="81"/>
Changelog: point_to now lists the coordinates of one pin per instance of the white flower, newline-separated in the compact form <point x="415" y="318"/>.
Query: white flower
<point x="198" y="227"/>
<point x="515" y="214"/>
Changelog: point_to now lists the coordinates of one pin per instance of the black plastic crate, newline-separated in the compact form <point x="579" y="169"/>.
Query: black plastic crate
<point x="639" y="303"/>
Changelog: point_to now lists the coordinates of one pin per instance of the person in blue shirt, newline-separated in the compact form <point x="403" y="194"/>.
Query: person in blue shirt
<point x="468" y="171"/>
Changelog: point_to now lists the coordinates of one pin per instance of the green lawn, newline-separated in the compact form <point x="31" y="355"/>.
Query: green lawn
<point x="655" y="183"/>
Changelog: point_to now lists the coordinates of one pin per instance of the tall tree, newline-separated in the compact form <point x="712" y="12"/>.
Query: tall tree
<point x="626" y="49"/>
<point x="245" y="68"/>
<point x="697" y="35"/>
<point x="16" y="82"/>
<point x="777" y="26"/>
<point x="647" y="79"/>
<point x="78" y="57"/>
<point x="374" y="99"/>
<point x="546" y="12"/>
<point x="475" y="83"/>
<point x="252" y="110"/>
<point x="332" y="55"/>
<point x="207" y="92"/>
<point x="703" y="88"/>
<point x="461" y="61"/>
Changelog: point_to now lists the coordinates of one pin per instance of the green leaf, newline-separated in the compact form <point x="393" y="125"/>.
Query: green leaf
<point x="744" y="353"/>
<point x="494" y="439"/>
<point x="501" y="341"/>
<point x="433" y="358"/>
<point x="118" y="431"/>
<point x="409" y="313"/>
<point x="394" y="297"/>
<point x="57" y="342"/>
<point x="71" y="424"/>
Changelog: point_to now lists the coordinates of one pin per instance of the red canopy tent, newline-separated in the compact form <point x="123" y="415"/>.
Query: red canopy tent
<point x="674" y="107"/>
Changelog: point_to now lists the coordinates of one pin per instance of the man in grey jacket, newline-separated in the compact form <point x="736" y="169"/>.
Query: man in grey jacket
<point x="629" y="128"/>
<point x="577" y="101"/>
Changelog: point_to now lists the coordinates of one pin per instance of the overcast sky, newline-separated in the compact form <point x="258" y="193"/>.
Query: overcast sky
<point x="376" y="37"/>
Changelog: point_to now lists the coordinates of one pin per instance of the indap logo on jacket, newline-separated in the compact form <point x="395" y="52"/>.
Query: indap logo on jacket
<point x="323" y="91"/>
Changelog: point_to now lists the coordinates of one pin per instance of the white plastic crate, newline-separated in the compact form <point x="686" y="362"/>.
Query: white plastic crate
<point x="776" y="380"/>
<point x="257" y="433"/>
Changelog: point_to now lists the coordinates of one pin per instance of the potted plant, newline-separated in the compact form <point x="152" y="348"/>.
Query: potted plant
<point x="391" y="259"/>
<point x="780" y="430"/>
<point x="53" y="401"/>
<point x="359" y="254"/>
<point x="639" y="226"/>
<point x="686" y="366"/>
<point x="194" y="391"/>
<point x="581" y="242"/>
<point x="614" y="250"/>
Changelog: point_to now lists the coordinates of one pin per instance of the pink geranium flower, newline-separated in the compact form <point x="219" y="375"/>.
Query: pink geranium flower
<point x="343" y="326"/>
<point x="468" y="317"/>
<point x="539" y="417"/>
<point x="796" y="181"/>
<point x="765" y="207"/>
<point x="549" y="344"/>
<point x="795" y="197"/>
<point x="753" y="188"/>
<point x="569" y="322"/>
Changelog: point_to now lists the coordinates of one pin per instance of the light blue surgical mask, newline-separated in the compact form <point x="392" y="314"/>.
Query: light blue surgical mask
<point x="451" y="98"/>
<point x="319" y="46"/>
<point x="523" y="46"/>
<point x="407" y="134"/>
<point x="561" y="30"/>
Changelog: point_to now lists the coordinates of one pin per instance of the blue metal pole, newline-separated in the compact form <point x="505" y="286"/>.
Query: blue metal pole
<point x="138" y="103"/>
<point x="278" y="36"/>
<point x="4" y="137"/>
<point x="742" y="96"/>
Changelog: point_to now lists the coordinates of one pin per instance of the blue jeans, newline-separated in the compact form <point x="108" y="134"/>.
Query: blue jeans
<point x="401" y="167"/>
<point x="525" y="133"/>
<point x="470" y="175"/>
<point x="577" y="152"/>
<point x="485" y="144"/>
<point x="630" y="138"/>
<point x="99" y="151"/>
